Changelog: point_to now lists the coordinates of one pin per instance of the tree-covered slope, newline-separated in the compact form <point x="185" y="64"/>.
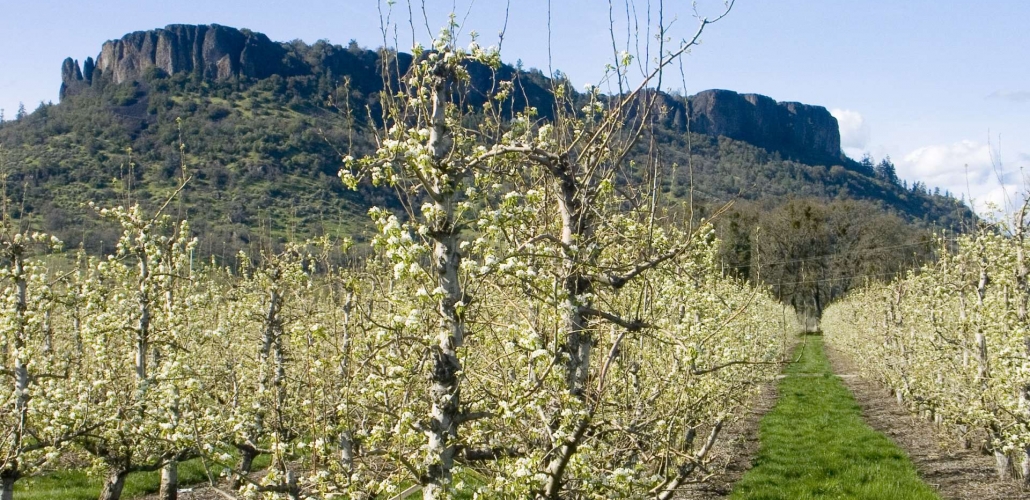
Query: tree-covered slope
<point x="264" y="153"/>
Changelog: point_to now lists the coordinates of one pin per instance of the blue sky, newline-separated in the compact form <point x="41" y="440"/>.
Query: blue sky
<point x="937" y="85"/>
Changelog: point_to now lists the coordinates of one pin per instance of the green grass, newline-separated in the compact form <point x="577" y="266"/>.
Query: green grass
<point x="77" y="485"/>
<point x="814" y="444"/>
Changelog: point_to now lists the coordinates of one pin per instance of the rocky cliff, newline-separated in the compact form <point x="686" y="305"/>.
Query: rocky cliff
<point x="215" y="52"/>
<point x="760" y="120"/>
<point x="211" y="51"/>
<point x="792" y="128"/>
<point x="219" y="52"/>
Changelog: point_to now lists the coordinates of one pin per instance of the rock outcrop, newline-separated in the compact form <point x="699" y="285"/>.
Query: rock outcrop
<point x="218" y="52"/>
<point x="790" y="127"/>
<point x="215" y="52"/>
<point x="72" y="81"/>
<point x="794" y="129"/>
<point x="87" y="70"/>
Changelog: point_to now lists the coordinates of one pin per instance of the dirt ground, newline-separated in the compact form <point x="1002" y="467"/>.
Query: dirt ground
<point x="198" y="492"/>
<point x="955" y="473"/>
<point x="734" y="451"/>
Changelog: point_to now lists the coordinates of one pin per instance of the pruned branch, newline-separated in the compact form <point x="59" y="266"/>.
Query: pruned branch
<point x="633" y="325"/>
<point x="536" y="154"/>
<point x="667" y="490"/>
<point x="713" y="369"/>
<point x="617" y="281"/>
<point x="487" y="454"/>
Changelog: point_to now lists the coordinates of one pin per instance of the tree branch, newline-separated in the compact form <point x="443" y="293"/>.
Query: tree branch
<point x="634" y="325"/>
<point x="618" y="281"/>
<point x="694" y="371"/>
<point x="538" y="155"/>
<point x="486" y="454"/>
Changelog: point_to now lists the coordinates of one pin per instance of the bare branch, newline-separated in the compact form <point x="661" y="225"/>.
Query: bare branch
<point x="728" y="364"/>
<point x="543" y="157"/>
<point x="634" y="325"/>
<point x="617" y="281"/>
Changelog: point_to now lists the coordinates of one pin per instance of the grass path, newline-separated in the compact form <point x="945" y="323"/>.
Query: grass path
<point x="814" y="444"/>
<point x="77" y="485"/>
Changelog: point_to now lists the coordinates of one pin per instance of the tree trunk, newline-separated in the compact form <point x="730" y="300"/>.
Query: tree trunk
<point x="170" y="471"/>
<point x="292" y="486"/>
<point x="347" y="437"/>
<point x="982" y="361"/>
<point x="686" y="469"/>
<point x="579" y="343"/>
<point x="556" y="469"/>
<point x="272" y="329"/>
<point x="12" y="471"/>
<point x="1002" y="465"/>
<point x="1022" y="295"/>
<point x="7" y="482"/>
<point x="113" y="485"/>
<point x="576" y="229"/>
<point x="347" y="451"/>
<point x="444" y="389"/>
<point x="246" y="463"/>
<point x="1026" y="465"/>
<point x="143" y="325"/>
<point x="169" y="481"/>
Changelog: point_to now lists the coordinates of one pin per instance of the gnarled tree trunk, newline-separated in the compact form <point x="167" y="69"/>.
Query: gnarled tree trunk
<point x="114" y="483"/>
<point x="7" y="480"/>
<point x="444" y="390"/>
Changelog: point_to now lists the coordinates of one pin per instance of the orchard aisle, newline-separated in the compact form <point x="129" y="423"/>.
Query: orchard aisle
<point x="815" y="444"/>
<point x="940" y="460"/>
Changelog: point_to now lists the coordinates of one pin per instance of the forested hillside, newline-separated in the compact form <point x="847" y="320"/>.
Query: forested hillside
<point x="263" y="147"/>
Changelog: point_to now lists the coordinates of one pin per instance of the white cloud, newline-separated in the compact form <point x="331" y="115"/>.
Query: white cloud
<point x="948" y="163"/>
<point x="1005" y="198"/>
<point x="854" y="131"/>
<point x="854" y="153"/>
<point x="964" y="168"/>
<point x="1010" y="95"/>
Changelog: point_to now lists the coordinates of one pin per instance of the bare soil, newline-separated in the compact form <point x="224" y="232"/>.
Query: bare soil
<point x="734" y="452"/>
<point x="198" y="492"/>
<point x="204" y="491"/>
<point x="954" y="472"/>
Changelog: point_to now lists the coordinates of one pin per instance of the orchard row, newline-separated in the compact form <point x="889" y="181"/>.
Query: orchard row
<point x="952" y="340"/>
<point x="147" y="357"/>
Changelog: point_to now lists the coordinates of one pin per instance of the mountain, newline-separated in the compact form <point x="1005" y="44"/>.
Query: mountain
<point x="262" y="125"/>
<point x="220" y="53"/>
